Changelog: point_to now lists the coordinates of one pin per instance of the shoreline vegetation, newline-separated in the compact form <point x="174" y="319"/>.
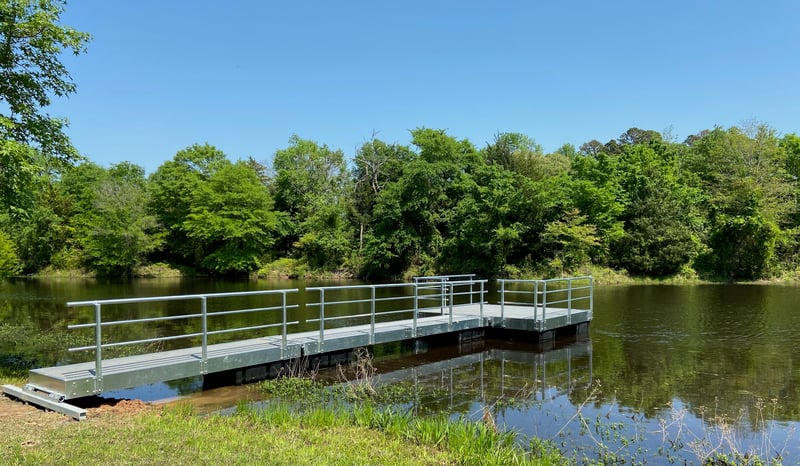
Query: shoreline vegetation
<point x="722" y="206"/>
<point x="288" y="270"/>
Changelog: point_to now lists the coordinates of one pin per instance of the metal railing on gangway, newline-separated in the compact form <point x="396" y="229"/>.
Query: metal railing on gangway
<point x="554" y="293"/>
<point x="202" y="301"/>
<point x="381" y="303"/>
<point x="446" y="291"/>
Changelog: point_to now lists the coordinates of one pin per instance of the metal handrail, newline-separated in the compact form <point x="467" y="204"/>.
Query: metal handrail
<point x="540" y="297"/>
<point x="449" y="291"/>
<point x="446" y="295"/>
<point x="203" y="315"/>
<point x="437" y="278"/>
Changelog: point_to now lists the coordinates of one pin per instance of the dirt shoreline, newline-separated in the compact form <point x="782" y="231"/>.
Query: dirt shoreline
<point x="15" y="412"/>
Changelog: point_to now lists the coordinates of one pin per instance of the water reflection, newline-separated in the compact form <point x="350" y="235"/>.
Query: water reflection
<point x="492" y="372"/>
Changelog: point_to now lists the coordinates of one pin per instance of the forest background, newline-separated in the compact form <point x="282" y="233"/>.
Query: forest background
<point x="720" y="205"/>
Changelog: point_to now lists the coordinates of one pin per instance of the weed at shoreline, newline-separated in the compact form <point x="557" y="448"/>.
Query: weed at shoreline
<point x="592" y="431"/>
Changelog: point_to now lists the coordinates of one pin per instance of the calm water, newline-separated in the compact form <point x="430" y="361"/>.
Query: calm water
<point x="667" y="372"/>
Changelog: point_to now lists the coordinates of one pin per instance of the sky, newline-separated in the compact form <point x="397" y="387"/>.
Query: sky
<point x="244" y="76"/>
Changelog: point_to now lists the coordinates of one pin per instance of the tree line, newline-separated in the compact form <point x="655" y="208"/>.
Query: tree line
<point x="721" y="204"/>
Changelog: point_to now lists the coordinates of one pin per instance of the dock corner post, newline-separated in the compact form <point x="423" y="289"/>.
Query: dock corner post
<point x="591" y="297"/>
<point x="321" y="318"/>
<point x="204" y="329"/>
<point x="536" y="300"/>
<point x="98" y="350"/>
<point x="283" y="329"/>
<point x="372" y="317"/>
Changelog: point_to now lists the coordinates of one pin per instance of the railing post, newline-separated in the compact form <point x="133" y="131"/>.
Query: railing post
<point x="544" y="303"/>
<point x="471" y="289"/>
<point x="416" y="310"/>
<point x="98" y="350"/>
<point x="591" y="297"/>
<point x="283" y="329"/>
<point x="372" y="318"/>
<point x="450" y="319"/>
<point x="442" y="296"/>
<point x="481" y="298"/>
<point x="536" y="300"/>
<point x="321" y="318"/>
<point x="204" y="330"/>
<point x="569" y="300"/>
<point x="502" y="299"/>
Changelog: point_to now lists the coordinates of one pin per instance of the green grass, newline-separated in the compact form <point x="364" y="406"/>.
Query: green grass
<point x="179" y="437"/>
<point x="295" y="429"/>
<point x="465" y="441"/>
<point x="275" y="436"/>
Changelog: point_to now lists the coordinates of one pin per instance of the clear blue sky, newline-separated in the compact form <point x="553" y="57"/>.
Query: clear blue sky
<point x="246" y="75"/>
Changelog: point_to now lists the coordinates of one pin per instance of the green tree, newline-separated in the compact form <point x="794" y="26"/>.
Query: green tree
<point x="312" y="186"/>
<point x="114" y="230"/>
<point x="9" y="262"/>
<point x="595" y="190"/>
<point x="173" y="187"/>
<point x="495" y="217"/>
<point x="232" y="219"/>
<point x="572" y="239"/>
<point x="19" y="171"/>
<point x="45" y="232"/>
<point x="375" y="165"/>
<point x="414" y="214"/>
<point x="123" y="233"/>
<point x="32" y="40"/>
<point x="743" y="172"/>
<point x="662" y="223"/>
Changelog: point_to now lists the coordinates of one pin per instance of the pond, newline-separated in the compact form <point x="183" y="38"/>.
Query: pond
<point x="667" y="373"/>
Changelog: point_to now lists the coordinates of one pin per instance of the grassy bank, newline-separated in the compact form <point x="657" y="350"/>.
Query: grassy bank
<point x="275" y="436"/>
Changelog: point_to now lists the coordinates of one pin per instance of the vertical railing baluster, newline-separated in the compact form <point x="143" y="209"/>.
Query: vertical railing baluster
<point x="481" y="298"/>
<point x="204" y="330"/>
<point x="416" y="310"/>
<point x="450" y="320"/>
<point x="283" y="329"/>
<point x="372" y="318"/>
<point x="442" y="296"/>
<point x="569" y="301"/>
<point x="502" y="299"/>
<point x="471" y="289"/>
<point x="544" y="303"/>
<point x="321" y="318"/>
<point x="98" y="350"/>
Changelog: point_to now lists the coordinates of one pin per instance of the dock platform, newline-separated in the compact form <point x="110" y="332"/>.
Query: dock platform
<point x="460" y="310"/>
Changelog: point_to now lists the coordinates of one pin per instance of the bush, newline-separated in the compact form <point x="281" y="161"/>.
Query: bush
<point x="9" y="261"/>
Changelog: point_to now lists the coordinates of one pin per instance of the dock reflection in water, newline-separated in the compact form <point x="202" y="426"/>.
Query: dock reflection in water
<point x="462" y="380"/>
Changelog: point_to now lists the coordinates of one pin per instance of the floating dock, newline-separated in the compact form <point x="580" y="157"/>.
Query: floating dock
<point x="345" y="318"/>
